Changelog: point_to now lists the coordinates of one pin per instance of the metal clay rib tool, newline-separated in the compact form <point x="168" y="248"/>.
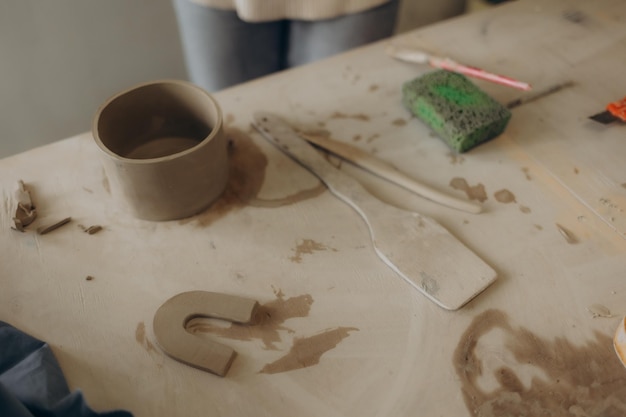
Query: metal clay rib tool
<point x="416" y="247"/>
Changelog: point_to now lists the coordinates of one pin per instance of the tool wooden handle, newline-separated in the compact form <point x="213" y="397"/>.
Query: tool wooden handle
<point x="389" y="173"/>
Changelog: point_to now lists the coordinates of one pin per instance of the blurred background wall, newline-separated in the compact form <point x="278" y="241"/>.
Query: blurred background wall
<point x="60" y="59"/>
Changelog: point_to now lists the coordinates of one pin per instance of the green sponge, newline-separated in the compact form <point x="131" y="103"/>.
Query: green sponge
<point x="458" y="111"/>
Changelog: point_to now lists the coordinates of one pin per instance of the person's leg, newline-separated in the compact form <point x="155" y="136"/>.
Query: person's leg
<point x="221" y="50"/>
<point x="313" y="40"/>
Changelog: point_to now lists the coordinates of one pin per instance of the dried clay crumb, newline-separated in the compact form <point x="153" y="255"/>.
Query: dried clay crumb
<point x="47" y="229"/>
<point x="89" y="278"/>
<point x="93" y="229"/>
<point x="25" y="212"/>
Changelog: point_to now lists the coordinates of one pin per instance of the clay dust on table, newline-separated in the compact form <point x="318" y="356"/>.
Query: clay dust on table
<point x="577" y="380"/>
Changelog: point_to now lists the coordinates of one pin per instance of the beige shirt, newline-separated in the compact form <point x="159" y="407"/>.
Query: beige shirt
<point x="268" y="10"/>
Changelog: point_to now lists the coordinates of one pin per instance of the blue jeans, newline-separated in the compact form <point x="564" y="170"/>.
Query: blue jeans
<point x="32" y="383"/>
<point x="222" y="50"/>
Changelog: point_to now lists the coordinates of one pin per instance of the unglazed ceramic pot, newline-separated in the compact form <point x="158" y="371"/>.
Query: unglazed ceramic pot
<point x="164" y="149"/>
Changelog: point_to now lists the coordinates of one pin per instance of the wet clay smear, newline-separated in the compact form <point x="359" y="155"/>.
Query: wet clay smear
<point x="476" y="192"/>
<point x="140" y="336"/>
<point x="504" y="196"/>
<point x="247" y="165"/>
<point x="308" y="247"/>
<point x="576" y="380"/>
<point x="307" y="351"/>
<point x="268" y="325"/>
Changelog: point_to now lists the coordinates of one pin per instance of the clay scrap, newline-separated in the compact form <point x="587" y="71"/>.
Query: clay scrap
<point x="91" y="230"/>
<point x="172" y="317"/>
<point x="47" y="229"/>
<point x="25" y="212"/>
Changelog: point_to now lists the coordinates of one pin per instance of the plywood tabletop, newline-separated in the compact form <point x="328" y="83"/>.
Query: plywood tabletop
<point x="341" y="334"/>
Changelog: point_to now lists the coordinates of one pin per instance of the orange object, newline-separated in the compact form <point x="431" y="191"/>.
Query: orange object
<point x="618" y="109"/>
<point x="614" y="111"/>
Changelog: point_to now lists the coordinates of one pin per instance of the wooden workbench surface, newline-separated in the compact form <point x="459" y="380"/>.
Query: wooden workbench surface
<point x="344" y="336"/>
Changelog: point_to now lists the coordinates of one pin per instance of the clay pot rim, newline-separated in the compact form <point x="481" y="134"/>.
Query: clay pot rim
<point x="204" y="142"/>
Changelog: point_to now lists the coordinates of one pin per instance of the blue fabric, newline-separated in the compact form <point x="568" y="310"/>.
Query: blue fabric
<point x="32" y="383"/>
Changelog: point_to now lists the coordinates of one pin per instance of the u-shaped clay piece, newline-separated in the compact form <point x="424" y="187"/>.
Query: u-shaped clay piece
<point x="171" y="318"/>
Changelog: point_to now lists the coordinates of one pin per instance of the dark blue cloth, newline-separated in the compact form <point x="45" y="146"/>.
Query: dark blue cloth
<point x="32" y="383"/>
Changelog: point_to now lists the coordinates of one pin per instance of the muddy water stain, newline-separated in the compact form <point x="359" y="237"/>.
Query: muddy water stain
<point x="268" y="322"/>
<point x="247" y="166"/>
<point x="373" y="88"/>
<point x="580" y="380"/>
<point x="524" y="209"/>
<point x="308" y="247"/>
<point x="399" y="122"/>
<point x="526" y="172"/>
<point x="476" y="192"/>
<point x="307" y="351"/>
<point x="504" y="196"/>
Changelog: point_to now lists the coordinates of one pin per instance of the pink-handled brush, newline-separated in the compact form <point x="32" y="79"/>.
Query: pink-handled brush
<point x="420" y="57"/>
